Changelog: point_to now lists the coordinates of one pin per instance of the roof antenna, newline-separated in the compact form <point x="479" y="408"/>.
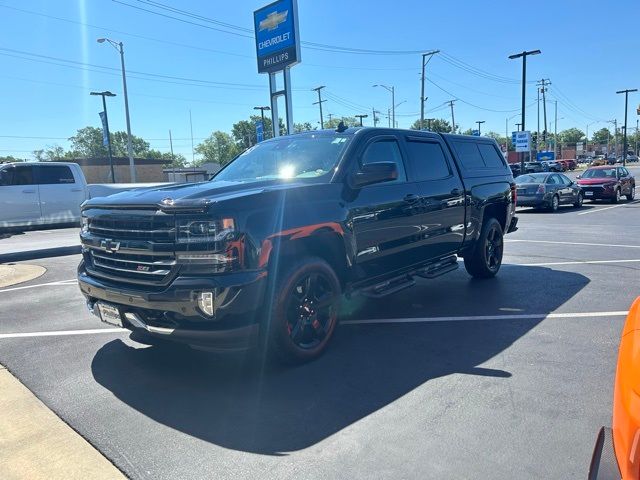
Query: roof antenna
<point x="341" y="127"/>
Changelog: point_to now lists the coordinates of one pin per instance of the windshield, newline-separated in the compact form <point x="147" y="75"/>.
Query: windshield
<point x="533" y="178"/>
<point x="600" y="173"/>
<point x="303" y="156"/>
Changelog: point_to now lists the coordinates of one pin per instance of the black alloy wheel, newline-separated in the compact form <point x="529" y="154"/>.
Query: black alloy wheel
<point x="579" y="200"/>
<point x="555" y="204"/>
<point x="310" y="309"/>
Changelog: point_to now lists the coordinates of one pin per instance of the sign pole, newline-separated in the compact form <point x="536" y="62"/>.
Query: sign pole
<point x="287" y="99"/>
<point x="275" y="123"/>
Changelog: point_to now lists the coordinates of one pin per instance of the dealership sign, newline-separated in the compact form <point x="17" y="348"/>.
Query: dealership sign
<point x="522" y="141"/>
<point x="277" y="39"/>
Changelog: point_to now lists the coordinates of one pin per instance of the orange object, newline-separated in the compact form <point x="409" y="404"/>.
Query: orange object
<point x="626" y="398"/>
<point x="617" y="451"/>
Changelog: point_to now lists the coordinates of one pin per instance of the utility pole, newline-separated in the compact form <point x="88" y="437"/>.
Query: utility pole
<point x="543" y="89"/>
<point x="319" y="102"/>
<point x="453" y="118"/>
<point x="479" y="122"/>
<point x="422" y="97"/>
<point x="637" y="152"/>
<point x="171" y="145"/>
<point x="555" y="130"/>
<point x="361" y="117"/>
<point x="389" y="116"/>
<point x="624" y="141"/>
<point x="538" y="130"/>
<point x="524" y="56"/>
<point x="193" y="155"/>
<point x="106" y="126"/>
<point x="375" y="118"/>
<point x="330" y="115"/>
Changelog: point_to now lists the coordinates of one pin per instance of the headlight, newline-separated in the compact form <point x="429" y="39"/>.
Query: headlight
<point x="84" y="227"/>
<point x="202" y="231"/>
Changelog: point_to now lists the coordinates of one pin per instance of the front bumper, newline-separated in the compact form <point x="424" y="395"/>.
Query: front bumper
<point x="600" y="193"/>
<point x="604" y="465"/>
<point x="173" y="313"/>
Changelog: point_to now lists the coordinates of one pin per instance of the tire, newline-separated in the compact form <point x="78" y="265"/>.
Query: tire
<point x="617" y="196"/>
<point x="485" y="259"/>
<point x="578" y="202"/>
<point x="555" y="204"/>
<point x="632" y="193"/>
<point x="297" y="329"/>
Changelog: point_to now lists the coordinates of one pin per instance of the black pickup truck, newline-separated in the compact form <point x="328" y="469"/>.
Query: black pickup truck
<point x="262" y="254"/>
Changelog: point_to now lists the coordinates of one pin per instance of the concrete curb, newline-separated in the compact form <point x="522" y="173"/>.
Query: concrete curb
<point x="36" y="444"/>
<point x="43" y="253"/>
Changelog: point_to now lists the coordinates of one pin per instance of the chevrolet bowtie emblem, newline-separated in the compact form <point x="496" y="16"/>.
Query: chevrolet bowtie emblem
<point x="273" y="20"/>
<point x="167" y="201"/>
<point x="109" y="245"/>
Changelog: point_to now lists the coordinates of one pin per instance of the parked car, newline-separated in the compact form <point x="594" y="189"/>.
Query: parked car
<point x="47" y="193"/>
<point x="616" y="454"/>
<point x="515" y="169"/>
<point x="553" y="166"/>
<point x="630" y="158"/>
<point x="261" y="254"/>
<point x="548" y="190"/>
<point x="533" y="167"/>
<point x="563" y="164"/>
<point x="571" y="164"/>
<point x="607" y="183"/>
<point x="599" y="160"/>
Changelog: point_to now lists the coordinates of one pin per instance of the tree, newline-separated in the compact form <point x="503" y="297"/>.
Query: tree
<point x="571" y="136"/>
<point x="439" y="125"/>
<point x="500" y="139"/>
<point x="177" y="160"/>
<point x="119" y="145"/>
<point x="219" y="148"/>
<point x="244" y="131"/>
<point x="602" y="136"/>
<point x="348" y="121"/>
<point x="87" y="142"/>
<point x="38" y="155"/>
<point x="303" y="127"/>
<point x="53" y="153"/>
<point x="468" y="131"/>
<point x="11" y="158"/>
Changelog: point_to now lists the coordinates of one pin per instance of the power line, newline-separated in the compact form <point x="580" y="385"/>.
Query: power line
<point x="469" y="103"/>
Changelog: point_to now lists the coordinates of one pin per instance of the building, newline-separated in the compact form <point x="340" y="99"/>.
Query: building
<point x="97" y="169"/>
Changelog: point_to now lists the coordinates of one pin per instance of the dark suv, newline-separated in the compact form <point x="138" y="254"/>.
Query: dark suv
<point x="262" y="253"/>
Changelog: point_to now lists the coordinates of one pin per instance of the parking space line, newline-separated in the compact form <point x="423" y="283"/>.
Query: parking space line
<point x="526" y="316"/>
<point x="63" y="333"/>
<point x="576" y="262"/>
<point x="573" y="243"/>
<point x="72" y="281"/>
<point x="608" y="208"/>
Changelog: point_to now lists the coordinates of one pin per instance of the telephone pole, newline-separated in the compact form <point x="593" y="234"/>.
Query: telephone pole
<point x="524" y="56"/>
<point x="319" y="102"/>
<point x="453" y="118"/>
<point x="624" y="140"/>
<point x="555" y="130"/>
<point x="360" y="117"/>
<point x="543" y="84"/>
<point x="375" y="118"/>
<point x="429" y="54"/>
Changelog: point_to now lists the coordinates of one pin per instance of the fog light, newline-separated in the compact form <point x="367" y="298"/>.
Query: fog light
<point x="205" y="302"/>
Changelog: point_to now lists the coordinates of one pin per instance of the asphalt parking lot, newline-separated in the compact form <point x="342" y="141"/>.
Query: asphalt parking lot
<point x="454" y="378"/>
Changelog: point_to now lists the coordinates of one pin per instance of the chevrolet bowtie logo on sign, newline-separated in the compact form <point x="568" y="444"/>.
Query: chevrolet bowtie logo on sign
<point x="276" y="30"/>
<point x="109" y="245"/>
<point x="273" y="20"/>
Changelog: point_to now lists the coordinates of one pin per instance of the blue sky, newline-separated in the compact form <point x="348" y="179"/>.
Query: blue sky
<point x="49" y="65"/>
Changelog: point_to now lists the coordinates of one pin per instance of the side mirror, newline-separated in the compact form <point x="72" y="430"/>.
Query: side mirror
<point x="371" y="173"/>
<point x="579" y="176"/>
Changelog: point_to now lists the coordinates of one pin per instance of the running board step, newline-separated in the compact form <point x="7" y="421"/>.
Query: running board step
<point x="389" y="287"/>
<point x="446" y="265"/>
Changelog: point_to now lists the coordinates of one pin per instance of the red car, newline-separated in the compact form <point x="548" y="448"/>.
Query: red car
<point x="564" y="164"/>
<point x="607" y="182"/>
<point x="571" y="164"/>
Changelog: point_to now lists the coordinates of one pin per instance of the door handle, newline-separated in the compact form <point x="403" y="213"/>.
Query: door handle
<point x="411" y="198"/>
<point x="28" y="191"/>
<point x="456" y="192"/>
<point x="76" y="189"/>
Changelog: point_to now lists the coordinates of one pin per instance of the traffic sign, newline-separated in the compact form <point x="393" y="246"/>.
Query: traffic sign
<point x="475" y="133"/>
<point x="522" y="141"/>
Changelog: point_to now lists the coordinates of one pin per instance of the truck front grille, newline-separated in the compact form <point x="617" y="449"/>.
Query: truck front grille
<point x="154" y="229"/>
<point x="145" y="268"/>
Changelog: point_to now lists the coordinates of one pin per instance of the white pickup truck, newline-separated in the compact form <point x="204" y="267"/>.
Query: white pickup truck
<point x="48" y="193"/>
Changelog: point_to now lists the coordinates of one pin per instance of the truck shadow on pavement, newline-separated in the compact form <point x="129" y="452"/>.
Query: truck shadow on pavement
<point x="236" y="403"/>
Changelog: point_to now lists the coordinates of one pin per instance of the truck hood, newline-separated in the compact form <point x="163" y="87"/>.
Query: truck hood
<point x="187" y="196"/>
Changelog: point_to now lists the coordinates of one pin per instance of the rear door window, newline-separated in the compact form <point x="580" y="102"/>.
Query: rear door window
<point x="427" y="161"/>
<point x="490" y="155"/>
<point x="54" y="175"/>
<point x="469" y="155"/>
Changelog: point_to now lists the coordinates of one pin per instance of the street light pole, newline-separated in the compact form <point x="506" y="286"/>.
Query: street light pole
<point x="361" y="117"/>
<point x="524" y="56"/>
<point x="120" y="48"/>
<point x="479" y="122"/>
<point x="422" y="97"/>
<point x="391" y="89"/>
<point x="624" y="138"/>
<point x="262" y="109"/>
<point x="106" y="126"/>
